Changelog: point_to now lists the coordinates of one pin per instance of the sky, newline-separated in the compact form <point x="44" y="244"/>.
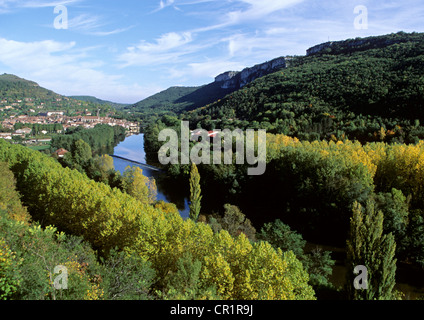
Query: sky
<point x="127" y="50"/>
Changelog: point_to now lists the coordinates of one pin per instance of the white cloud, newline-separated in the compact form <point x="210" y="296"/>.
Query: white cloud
<point x="5" y="5"/>
<point x="167" y="48"/>
<point x="66" y="69"/>
<point x="166" y="42"/>
<point x="111" y="32"/>
<point x="85" y="22"/>
<point x="258" y="9"/>
<point x="166" y="3"/>
<point x="90" y="24"/>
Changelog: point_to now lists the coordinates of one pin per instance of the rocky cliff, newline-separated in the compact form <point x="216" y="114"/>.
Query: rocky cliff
<point x="237" y="80"/>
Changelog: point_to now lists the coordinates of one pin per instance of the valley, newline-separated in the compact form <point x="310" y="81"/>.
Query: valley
<point x="342" y="186"/>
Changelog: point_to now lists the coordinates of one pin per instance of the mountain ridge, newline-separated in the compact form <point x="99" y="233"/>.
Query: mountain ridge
<point x="369" y="90"/>
<point x="94" y="99"/>
<point x="231" y="81"/>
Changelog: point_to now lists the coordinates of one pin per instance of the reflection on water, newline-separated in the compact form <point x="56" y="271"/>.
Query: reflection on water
<point x="409" y="279"/>
<point x="132" y="148"/>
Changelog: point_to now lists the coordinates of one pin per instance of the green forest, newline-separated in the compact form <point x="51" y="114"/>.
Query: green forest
<point x="118" y="247"/>
<point x="344" y="137"/>
<point x="101" y="138"/>
<point x="366" y="93"/>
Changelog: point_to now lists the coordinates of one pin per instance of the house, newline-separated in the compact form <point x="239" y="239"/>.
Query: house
<point x="51" y="113"/>
<point x="90" y="119"/>
<point x="24" y="131"/>
<point x="5" y="135"/>
<point x="212" y="134"/>
<point x="61" y="152"/>
<point x="198" y="132"/>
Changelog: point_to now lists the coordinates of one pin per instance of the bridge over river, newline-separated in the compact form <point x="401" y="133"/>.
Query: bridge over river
<point x="140" y="164"/>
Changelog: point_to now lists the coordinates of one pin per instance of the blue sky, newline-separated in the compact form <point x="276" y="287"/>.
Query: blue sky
<point x="127" y="50"/>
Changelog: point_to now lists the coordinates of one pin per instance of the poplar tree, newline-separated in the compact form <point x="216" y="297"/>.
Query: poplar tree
<point x="368" y="246"/>
<point x="195" y="193"/>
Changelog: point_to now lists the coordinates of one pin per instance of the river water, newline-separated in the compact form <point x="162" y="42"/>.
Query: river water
<point x="132" y="148"/>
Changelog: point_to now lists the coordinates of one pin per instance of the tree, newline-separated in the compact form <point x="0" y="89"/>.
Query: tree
<point x="395" y="207"/>
<point x="279" y="235"/>
<point x="103" y="168"/>
<point x="9" y="272"/>
<point x="317" y="263"/>
<point x="235" y="222"/>
<point x="186" y="282"/>
<point x="104" y="163"/>
<point x="368" y="246"/>
<point x="107" y="218"/>
<point x="139" y="186"/>
<point x="9" y="198"/>
<point x="126" y="276"/>
<point x="79" y="157"/>
<point x="195" y="193"/>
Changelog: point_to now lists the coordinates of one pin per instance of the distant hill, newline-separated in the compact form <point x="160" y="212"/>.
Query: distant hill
<point x="163" y="101"/>
<point x="13" y="87"/>
<point x="25" y="97"/>
<point x="179" y="99"/>
<point x="99" y="101"/>
<point x="12" y="78"/>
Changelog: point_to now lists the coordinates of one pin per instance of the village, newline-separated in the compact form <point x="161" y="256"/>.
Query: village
<point x="64" y="122"/>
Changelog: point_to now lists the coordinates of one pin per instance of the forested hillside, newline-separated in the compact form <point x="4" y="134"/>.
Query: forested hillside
<point x="12" y="87"/>
<point x="24" y="97"/>
<point x="344" y="132"/>
<point x="99" y="101"/>
<point x="176" y="100"/>
<point x="370" y="90"/>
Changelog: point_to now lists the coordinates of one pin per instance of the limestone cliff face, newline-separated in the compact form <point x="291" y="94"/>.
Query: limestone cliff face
<point x="237" y="80"/>
<point x="318" y="48"/>
<point x="226" y="76"/>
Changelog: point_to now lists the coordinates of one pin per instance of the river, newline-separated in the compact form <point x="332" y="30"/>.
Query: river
<point x="132" y="148"/>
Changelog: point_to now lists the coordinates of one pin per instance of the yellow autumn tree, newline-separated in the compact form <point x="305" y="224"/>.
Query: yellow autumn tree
<point x="139" y="186"/>
<point x="109" y="218"/>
